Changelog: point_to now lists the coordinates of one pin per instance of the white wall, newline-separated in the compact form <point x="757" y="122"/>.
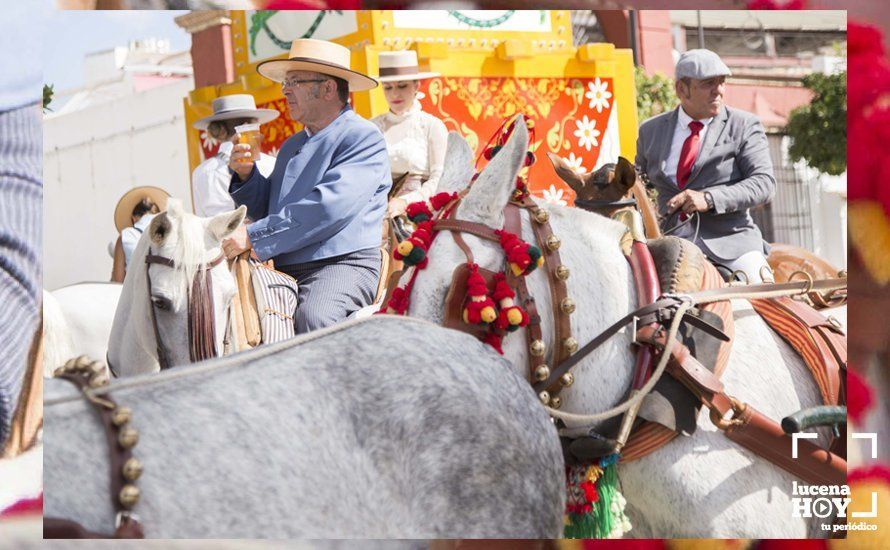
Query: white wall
<point x="91" y="158"/>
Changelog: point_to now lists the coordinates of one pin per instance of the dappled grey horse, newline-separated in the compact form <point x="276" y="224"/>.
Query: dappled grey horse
<point x="381" y="428"/>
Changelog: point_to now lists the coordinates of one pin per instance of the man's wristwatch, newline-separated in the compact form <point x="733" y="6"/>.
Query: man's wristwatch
<point x="709" y="200"/>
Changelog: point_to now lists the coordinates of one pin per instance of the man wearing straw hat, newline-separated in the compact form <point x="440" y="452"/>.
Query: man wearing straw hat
<point x="319" y="214"/>
<point x="210" y="180"/>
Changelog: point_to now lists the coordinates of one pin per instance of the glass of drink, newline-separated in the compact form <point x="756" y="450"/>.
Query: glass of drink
<point x="250" y="134"/>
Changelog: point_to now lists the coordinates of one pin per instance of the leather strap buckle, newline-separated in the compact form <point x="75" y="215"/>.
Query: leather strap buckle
<point x="719" y="419"/>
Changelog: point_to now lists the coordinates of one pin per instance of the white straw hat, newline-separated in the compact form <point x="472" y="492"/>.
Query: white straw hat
<point x="319" y="56"/>
<point x="235" y="106"/>
<point x="400" y="65"/>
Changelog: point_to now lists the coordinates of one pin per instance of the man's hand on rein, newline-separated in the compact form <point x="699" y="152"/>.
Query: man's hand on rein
<point x="688" y="201"/>
<point x="236" y="243"/>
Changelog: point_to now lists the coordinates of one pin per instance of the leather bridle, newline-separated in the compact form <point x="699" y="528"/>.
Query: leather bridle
<point x="201" y="325"/>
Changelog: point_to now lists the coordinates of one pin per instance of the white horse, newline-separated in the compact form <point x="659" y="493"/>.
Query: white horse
<point x="77" y="321"/>
<point x="191" y="243"/>
<point x="699" y="486"/>
<point x="382" y="428"/>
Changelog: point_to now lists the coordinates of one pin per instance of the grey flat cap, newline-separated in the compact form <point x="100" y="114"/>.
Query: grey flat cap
<point x="701" y="64"/>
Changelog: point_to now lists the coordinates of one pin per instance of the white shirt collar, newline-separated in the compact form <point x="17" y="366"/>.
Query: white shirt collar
<point x="684" y="120"/>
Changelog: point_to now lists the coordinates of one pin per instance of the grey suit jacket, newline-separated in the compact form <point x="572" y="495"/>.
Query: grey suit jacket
<point x="733" y="165"/>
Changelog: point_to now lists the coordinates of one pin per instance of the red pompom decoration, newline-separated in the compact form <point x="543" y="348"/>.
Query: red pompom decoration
<point x="522" y="257"/>
<point x="419" y="212"/>
<point x="440" y="200"/>
<point x="413" y="250"/>
<point x="479" y="308"/>
<point x="510" y="316"/>
<point x="398" y="302"/>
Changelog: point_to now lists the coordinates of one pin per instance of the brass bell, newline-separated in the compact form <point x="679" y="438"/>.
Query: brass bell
<point x="542" y="373"/>
<point x="98" y="379"/>
<point x="132" y="469"/>
<point x="542" y="216"/>
<point x="70" y="364"/>
<point x="544" y="396"/>
<point x="121" y="416"/>
<point x="128" y="437"/>
<point x="567" y="379"/>
<point x="60" y="371"/>
<point x="567" y="306"/>
<point x="82" y="363"/>
<point x="129" y="495"/>
<point x="562" y="272"/>
<point x="553" y="242"/>
<point x="570" y="345"/>
<point x="555" y="402"/>
<point x="537" y="348"/>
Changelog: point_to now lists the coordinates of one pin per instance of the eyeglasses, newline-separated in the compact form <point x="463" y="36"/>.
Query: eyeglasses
<point x="293" y="82"/>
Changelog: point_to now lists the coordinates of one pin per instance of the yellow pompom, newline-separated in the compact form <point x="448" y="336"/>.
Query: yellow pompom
<point x="405" y="248"/>
<point x="488" y="314"/>
<point x="465" y="317"/>
<point x="514" y="316"/>
<point x="540" y="261"/>
<point x="516" y="269"/>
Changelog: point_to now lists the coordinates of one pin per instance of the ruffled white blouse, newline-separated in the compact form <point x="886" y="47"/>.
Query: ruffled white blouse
<point x="416" y="142"/>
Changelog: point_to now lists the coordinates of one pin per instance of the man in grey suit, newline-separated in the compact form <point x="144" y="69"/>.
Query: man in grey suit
<point x="710" y="164"/>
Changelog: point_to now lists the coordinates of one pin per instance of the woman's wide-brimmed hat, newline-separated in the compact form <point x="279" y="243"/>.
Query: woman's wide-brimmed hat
<point x="124" y="209"/>
<point x="400" y="65"/>
<point x="229" y="107"/>
<point x="318" y="56"/>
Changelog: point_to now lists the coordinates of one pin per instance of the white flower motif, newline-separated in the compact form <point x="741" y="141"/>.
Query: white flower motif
<point x="553" y="196"/>
<point x="208" y="141"/>
<point x="587" y="133"/>
<point x="598" y="94"/>
<point x="575" y="164"/>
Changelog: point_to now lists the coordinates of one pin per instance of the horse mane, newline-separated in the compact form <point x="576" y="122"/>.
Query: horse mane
<point x="186" y="246"/>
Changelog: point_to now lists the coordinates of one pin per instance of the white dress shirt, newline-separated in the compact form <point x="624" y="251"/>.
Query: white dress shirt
<point x="416" y="142"/>
<point x="210" y="181"/>
<point x="681" y="132"/>
<point x="130" y="236"/>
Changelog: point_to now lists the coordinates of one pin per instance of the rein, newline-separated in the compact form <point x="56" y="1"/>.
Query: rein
<point x="201" y="326"/>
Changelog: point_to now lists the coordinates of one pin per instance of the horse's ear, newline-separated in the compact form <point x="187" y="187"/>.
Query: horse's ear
<point x="565" y="172"/>
<point x="625" y="175"/>
<point x="159" y="228"/>
<point x="222" y="225"/>
<point x="458" y="168"/>
<point x="489" y="194"/>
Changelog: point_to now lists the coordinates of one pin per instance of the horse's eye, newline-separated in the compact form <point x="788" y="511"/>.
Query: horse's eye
<point x="162" y="303"/>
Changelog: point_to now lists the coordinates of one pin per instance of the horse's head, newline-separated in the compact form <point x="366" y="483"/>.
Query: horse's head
<point x="175" y="301"/>
<point x="599" y="284"/>
<point x="611" y="182"/>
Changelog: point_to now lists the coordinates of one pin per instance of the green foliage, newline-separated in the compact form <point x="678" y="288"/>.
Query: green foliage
<point x="818" y="131"/>
<point x="655" y="94"/>
<point x="47" y="96"/>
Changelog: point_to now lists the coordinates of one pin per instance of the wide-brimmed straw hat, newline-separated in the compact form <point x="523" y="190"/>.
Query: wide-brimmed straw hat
<point x="124" y="209"/>
<point x="229" y="107"/>
<point x="318" y="56"/>
<point x="401" y="65"/>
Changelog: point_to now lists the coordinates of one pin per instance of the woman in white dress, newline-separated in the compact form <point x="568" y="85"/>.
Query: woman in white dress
<point x="416" y="140"/>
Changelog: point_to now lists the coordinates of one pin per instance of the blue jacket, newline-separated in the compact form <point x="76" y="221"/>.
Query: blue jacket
<point x="326" y="196"/>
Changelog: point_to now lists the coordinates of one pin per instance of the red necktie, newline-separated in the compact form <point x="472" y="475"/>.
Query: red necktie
<point x="688" y="154"/>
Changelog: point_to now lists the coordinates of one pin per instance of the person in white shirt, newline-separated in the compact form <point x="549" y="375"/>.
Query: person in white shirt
<point x="210" y="180"/>
<point x="133" y="213"/>
<point x="416" y="140"/>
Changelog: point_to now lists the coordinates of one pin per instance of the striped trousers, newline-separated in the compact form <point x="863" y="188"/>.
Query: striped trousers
<point x="333" y="288"/>
<point x="21" y="233"/>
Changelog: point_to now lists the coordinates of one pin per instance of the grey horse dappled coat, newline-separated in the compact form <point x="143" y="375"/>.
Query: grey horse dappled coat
<point x="733" y="164"/>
